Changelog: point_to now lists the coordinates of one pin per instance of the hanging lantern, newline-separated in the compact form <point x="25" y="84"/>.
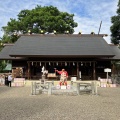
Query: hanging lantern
<point x="49" y="63"/>
<point x="54" y="31"/>
<point x="42" y="32"/>
<point x="65" y="63"/>
<point x="57" y="63"/>
<point x="81" y="64"/>
<point x="32" y="63"/>
<point x="73" y="64"/>
<point x="40" y="63"/>
<point x="80" y="32"/>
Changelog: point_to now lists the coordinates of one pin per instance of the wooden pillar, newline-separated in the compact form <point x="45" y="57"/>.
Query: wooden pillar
<point x="94" y="71"/>
<point x="113" y="69"/>
<point x="28" y="70"/>
<point x="45" y="65"/>
<point x="77" y="70"/>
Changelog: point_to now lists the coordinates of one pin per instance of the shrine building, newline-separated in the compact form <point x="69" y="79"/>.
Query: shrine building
<point x="84" y="56"/>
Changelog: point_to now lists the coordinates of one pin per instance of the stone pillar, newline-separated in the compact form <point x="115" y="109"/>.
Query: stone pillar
<point x="43" y="77"/>
<point x="78" y="88"/>
<point x="94" y="87"/>
<point x="95" y="83"/>
<point x="33" y="88"/>
<point x="49" y="87"/>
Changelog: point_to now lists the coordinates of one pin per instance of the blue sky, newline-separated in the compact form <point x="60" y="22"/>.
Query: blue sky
<point x="88" y="13"/>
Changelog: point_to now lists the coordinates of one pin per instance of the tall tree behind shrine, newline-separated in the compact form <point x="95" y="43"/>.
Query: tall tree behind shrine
<point x="40" y="20"/>
<point x="115" y="28"/>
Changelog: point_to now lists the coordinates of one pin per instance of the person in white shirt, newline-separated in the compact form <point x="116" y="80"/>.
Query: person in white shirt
<point x="9" y="80"/>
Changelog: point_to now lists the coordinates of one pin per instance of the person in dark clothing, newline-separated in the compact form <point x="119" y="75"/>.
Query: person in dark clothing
<point x="6" y="80"/>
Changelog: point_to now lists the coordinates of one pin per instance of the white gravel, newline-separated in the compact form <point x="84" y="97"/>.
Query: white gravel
<point x="16" y="103"/>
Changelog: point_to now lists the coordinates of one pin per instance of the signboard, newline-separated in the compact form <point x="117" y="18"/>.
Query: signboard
<point x="63" y="87"/>
<point x="107" y="70"/>
<point x="73" y="78"/>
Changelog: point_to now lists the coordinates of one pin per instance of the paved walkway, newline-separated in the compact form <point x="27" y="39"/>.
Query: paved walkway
<point x="16" y="103"/>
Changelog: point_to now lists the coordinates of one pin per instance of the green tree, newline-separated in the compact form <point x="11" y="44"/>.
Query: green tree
<point x="39" y="20"/>
<point x="115" y="28"/>
<point x="116" y="71"/>
<point x="2" y="65"/>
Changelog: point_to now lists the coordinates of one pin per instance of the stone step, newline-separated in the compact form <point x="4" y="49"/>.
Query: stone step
<point x="28" y="82"/>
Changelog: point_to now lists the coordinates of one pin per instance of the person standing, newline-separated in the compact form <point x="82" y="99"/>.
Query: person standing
<point x="9" y="80"/>
<point x="63" y="77"/>
<point x="6" y="80"/>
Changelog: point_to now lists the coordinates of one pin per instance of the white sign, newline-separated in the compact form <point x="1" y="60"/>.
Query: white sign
<point x="73" y="78"/>
<point x="63" y="87"/>
<point x="107" y="70"/>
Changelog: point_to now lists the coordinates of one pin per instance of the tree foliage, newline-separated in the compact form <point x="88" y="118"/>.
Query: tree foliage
<point x="115" y="28"/>
<point x="2" y="65"/>
<point x="45" y="19"/>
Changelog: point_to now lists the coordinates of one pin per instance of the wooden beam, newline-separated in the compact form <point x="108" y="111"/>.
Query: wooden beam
<point x="94" y="71"/>
<point x="77" y="70"/>
<point x="28" y="70"/>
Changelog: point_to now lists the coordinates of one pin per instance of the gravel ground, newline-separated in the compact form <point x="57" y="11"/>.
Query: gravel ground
<point x="16" y="103"/>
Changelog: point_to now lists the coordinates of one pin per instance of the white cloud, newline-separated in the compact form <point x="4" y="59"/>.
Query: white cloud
<point x="88" y="15"/>
<point x="95" y="14"/>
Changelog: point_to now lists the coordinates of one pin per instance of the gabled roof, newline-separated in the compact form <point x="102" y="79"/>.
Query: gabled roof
<point x="61" y="45"/>
<point x="4" y="53"/>
<point x="116" y="51"/>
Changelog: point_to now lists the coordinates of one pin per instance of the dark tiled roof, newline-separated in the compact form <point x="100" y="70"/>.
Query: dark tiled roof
<point x="116" y="51"/>
<point x="61" y="45"/>
<point x="4" y="54"/>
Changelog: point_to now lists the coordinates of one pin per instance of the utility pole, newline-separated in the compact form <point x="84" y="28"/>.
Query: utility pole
<point x="99" y="27"/>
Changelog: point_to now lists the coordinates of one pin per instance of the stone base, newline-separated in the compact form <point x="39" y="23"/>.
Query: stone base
<point x="43" y="76"/>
